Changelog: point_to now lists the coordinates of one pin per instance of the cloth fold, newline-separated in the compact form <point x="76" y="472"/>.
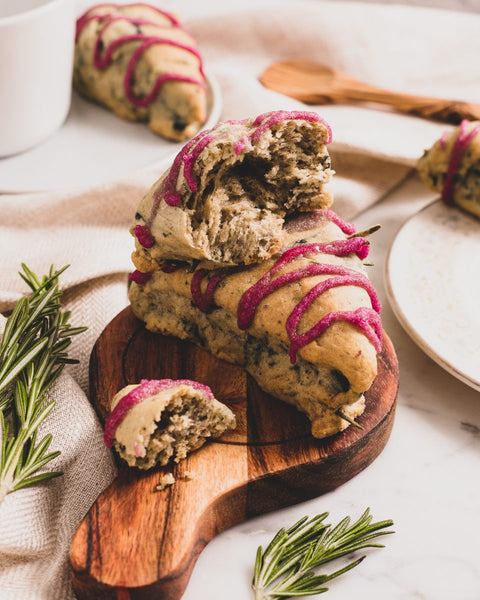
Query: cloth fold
<point x="409" y="49"/>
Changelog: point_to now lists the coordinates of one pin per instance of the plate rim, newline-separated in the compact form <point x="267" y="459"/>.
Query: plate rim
<point x="405" y="322"/>
<point x="213" y="117"/>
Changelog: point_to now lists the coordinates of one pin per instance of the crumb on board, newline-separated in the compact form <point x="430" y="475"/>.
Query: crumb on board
<point x="167" y="480"/>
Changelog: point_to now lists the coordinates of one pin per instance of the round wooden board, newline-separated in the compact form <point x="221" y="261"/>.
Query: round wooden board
<point x="139" y="543"/>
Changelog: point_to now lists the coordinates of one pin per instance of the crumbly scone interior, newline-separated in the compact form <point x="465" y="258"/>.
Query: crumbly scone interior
<point x="236" y="214"/>
<point x="187" y="420"/>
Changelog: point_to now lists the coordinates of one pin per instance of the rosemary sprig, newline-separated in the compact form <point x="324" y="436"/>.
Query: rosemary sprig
<point x="32" y="355"/>
<point x="285" y="568"/>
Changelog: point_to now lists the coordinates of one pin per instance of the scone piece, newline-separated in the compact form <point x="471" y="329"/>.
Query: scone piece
<point x="162" y="419"/>
<point x="452" y="166"/>
<point x="225" y="198"/>
<point x="138" y="61"/>
<point x="304" y="323"/>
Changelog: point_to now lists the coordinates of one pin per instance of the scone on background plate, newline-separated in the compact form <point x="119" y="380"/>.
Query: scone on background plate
<point x="226" y="196"/>
<point x="159" y="420"/>
<point x="452" y="167"/>
<point x="138" y="61"/>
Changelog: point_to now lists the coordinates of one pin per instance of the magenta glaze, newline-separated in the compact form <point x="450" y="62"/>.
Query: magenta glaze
<point x="204" y="300"/>
<point x="139" y="277"/>
<point x="345" y="226"/>
<point x="359" y="245"/>
<point x="147" y="388"/>
<point x="102" y="63"/>
<point x="364" y="319"/>
<point x="168" y="188"/>
<point x="345" y="278"/>
<point x="171" y="267"/>
<point x="266" y="120"/>
<point x="190" y="158"/>
<point x="144" y="235"/>
<point x="265" y="286"/>
<point x="461" y="144"/>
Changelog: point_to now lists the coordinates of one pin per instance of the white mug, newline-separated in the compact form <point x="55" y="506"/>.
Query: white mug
<point x="36" y="57"/>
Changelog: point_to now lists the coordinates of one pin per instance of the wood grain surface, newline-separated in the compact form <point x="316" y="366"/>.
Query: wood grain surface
<point x="314" y="83"/>
<point x="137" y="543"/>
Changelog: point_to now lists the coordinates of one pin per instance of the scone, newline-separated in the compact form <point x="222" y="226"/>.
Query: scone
<point x="304" y="323"/>
<point x="225" y="198"/>
<point x="452" y="167"/>
<point x="157" y="420"/>
<point x="137" y="60"/>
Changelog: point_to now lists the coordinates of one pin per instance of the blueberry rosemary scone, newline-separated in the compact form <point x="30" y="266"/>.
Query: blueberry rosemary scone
<point x="138" y="61"/>
<point x="226" y="196"/>
<point x="452" y="167"/>
<point x="304" y="323"/>
<point x="159" y="420"/>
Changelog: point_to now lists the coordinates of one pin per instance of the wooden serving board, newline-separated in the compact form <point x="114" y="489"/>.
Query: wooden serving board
<point x="138" y="543"/>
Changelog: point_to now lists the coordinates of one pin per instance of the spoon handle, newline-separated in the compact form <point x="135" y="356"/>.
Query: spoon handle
<point x="314" y="83"/>
<point x="450" y="111"/>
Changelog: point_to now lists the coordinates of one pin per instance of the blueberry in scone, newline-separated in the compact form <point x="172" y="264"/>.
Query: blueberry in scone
<point x="138" y="61"/>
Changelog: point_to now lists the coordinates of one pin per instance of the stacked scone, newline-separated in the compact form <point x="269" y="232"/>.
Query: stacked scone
<point x="238" y="251"/>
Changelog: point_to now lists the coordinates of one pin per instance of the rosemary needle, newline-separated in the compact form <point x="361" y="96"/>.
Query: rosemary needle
<point x="285" y="568"/>
<point x="32" y="355"/>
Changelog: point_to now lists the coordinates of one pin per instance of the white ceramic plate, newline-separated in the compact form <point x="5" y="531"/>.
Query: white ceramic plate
<point x="433" y="283"/>
<point x="94" y="146"/>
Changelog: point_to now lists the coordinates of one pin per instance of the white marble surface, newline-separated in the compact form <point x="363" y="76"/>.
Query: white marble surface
<point x="426" y="479"/>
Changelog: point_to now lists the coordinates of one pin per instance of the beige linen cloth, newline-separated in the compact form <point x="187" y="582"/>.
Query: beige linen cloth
<point x="417" y="50"/>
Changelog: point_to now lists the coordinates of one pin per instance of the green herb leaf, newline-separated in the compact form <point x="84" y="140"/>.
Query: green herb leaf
<point x="33" y="352"/>
<point x="286" y="568"/>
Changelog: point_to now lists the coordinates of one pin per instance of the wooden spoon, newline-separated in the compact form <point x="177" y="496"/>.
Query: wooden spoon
<point x="315" y="83"/>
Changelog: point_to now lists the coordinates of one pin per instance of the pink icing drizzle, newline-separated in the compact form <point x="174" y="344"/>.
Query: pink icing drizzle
<point x="139" y="277"/>
<point x="147" y="41"/>
<point x="144" y="235"/>
<point x="266" y="120"/>
<point x="365" y="318"/>
<point x="345" y="226"/>
<point x="204" y="300"/>
<point x="147" y="388"/>
<point x="461" y="144"/>
<point x="266" y="285"/>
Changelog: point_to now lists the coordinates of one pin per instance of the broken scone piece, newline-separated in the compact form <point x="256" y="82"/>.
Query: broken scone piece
<point x="452" y="166"/>
<point x="162" y="419"/>
<point x="225" y="198"/>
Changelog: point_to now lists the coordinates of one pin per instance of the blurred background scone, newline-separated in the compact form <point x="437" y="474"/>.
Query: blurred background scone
<point x="452" y="166"/>
<point x="138" y="61"/>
